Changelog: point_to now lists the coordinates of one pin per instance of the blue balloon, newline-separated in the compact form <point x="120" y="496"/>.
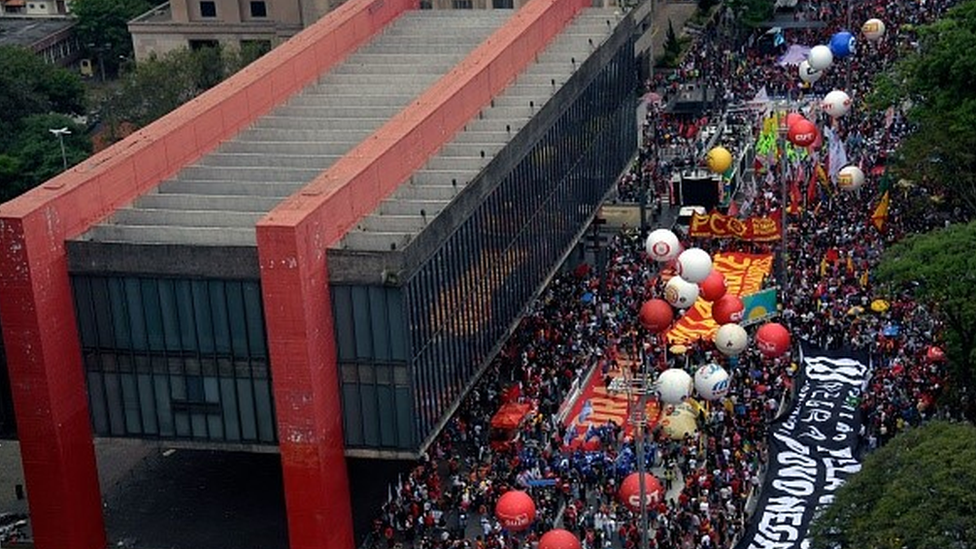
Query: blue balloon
<point x="842" y="44"/>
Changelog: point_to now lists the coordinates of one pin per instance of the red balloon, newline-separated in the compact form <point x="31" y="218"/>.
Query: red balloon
<point x="558" y="538"/>
<point x="713" y="287"/>
<point x="630" y="490"/>
<point x="656" y="315"/>
<point x="773" y="340"/>
<point x="515" y="510"/>
<point x="793" y="118"/>
<point x="727" y="309"/>
<point x="802" y="133"/>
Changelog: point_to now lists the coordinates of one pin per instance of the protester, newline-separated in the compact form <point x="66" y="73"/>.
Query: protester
<point x="448" y="499"/>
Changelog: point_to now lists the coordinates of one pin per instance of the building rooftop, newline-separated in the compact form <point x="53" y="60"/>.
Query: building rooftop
<point x="26" y="31"/>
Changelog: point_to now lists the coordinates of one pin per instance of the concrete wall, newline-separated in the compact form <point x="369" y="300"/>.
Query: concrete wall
<point x="36" y="302"/>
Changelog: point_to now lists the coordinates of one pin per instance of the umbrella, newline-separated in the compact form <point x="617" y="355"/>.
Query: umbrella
<point x="587" y="297"/>
<point x="855" y="310"/>
<point x="678" y="349"/>
<point x="880" y="305"/>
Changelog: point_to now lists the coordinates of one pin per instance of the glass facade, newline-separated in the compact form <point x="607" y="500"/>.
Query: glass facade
<point x="464" y="298"/>
<point x="372" y="349"/>
<point x="175" y="358"/>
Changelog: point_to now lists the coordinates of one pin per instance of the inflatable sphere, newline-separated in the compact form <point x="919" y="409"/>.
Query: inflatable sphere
<point x="679" y="422"/>
<point x="656" y="315"/>
<point x="711" y="382"/>
<point x="773" y="340"/>
<point x="836" y="103"/>
<point x="712" y="287"/>
<point x="662" y="245"/>
<point x="809" y="74"/>
<point x="728" y="309"/>
<point x="674" y="385"/>
<point x="842" y="44"/>
<point x="850" y="178"/>
<point x="515" y="510"/>
<point x="557" y="538"/>
<point x="873" y="30"/>
<point x="629" y="492"/>
<point x="731" y="339"/>
<point x="694" y="265"/>
<point x="820" y="57"/>
<point x="680" y="293"/>
<point x="793" y="118"/>
<point x="719" y="160"/>
<point x="802" y="133"/>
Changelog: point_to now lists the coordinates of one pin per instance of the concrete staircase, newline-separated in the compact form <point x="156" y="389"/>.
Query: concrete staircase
<point x="218" y="200"/>
<point x="428" y="192"/>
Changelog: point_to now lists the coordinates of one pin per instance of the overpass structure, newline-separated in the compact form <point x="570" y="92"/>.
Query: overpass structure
<point x="319" y="256"/>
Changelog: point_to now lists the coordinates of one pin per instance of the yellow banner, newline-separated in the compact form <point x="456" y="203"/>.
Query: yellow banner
<point x="744" y="274"/>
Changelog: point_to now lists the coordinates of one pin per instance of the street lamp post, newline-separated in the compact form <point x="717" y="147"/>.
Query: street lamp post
<point x="61" y="132"/>
<point x="783" y="213"/>
<point x="639" y="421"/>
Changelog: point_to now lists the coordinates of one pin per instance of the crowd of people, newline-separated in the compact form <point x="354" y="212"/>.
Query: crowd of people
<point x="826" y="299"/>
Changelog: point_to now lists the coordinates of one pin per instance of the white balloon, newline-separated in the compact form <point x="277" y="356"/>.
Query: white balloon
<point x="694" y="265"/>
<point x="731" y="339"/>
<point x="662" y="245"/>
<point x="674" y="386"/>
<point x="711" y="382"/>
<point x="873" y="29"/>
<point x="680" y="293"/>
<point x="820" y="57"/>
<point x="850" y="178"/>
<point x="836" y="103"/>
<point x="809" y="74"/>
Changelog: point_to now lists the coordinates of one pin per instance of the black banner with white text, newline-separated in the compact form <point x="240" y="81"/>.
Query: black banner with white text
<point x="812" y="449"/>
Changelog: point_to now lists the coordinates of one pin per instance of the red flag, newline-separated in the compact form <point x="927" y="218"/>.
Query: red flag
<point x="733" y="209"/>
<point x="812" y="193"/>
<point x="795" y="194"/>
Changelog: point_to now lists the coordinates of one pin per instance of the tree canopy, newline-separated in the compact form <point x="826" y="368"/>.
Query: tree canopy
<point x="917" y="491"/>
<point x="31" y="86"/>
<point x="939" y="268"/>
<point x="935" y="82"/>
<point x="36" y="98"/>
<point x="160" y="84"/>
<point x="750" y="13"/>
<point x="103" y="29"/>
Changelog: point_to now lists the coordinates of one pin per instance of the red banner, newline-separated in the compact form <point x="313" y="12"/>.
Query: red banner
<point x="719" y="225"/>
<point x="744" y="274"/>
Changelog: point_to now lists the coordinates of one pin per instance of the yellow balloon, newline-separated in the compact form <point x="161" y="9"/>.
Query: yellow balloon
<point x="719" y="159"/>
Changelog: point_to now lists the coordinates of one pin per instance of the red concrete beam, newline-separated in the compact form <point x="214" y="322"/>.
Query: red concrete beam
<point x="36" y="305"/>
<point x="292" y="243"/>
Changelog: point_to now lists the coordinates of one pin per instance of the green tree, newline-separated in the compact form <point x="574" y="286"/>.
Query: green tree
<point x="918" y="491"/>
<point x="672" y="46"/>
<point x="940" y="269"/>
<point x="103" y="30"/>
<point x="934" y="83"/>
<point x="750" y="13"/>
<point x="35" y="155"/>
<point x="31" y="86"/>
<point x="160" y="84"/>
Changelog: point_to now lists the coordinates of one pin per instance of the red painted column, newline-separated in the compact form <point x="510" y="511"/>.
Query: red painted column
<point x="304" y="373"/>
<point x="49" y="393"/>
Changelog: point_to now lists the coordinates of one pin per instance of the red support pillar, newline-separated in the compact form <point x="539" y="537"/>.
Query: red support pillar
<point x="50" y="398"/>
<point x="304" y="373"/>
